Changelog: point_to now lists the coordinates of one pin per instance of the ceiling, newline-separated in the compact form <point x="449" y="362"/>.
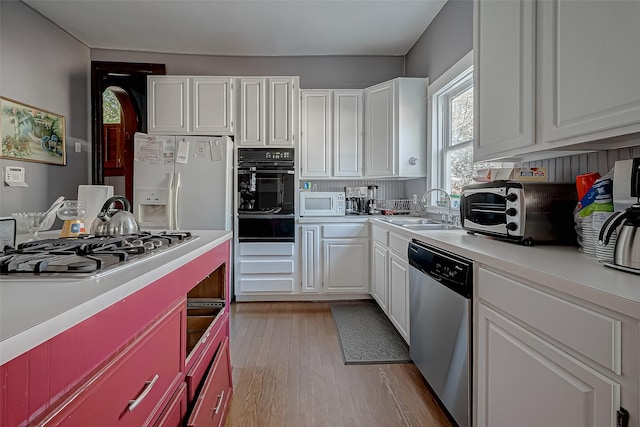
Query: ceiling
<point x="244" y="27"/>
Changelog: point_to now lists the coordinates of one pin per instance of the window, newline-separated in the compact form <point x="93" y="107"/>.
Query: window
<point x="452" y="130"/>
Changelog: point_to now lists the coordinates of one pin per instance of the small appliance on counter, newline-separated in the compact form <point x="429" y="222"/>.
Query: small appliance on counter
<point x="322" y="203"/>
<point x="520" y="212"/>
<point x="627" y="224"/>
<point x="355" y="200"/>
<point x="372" y="200"/>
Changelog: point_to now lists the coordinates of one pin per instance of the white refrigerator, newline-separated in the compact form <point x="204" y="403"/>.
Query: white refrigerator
<point x="183" y="182"/>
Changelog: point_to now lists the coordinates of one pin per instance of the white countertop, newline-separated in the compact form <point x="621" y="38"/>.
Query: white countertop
<point x="560" y="267"/>
<point x="33" y="311"/>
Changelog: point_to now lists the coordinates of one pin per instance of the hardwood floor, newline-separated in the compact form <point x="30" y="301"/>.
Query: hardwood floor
<point x="288" y="371"/>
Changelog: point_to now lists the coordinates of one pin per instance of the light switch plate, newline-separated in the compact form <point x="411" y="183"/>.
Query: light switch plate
<point x="78" y="147"/>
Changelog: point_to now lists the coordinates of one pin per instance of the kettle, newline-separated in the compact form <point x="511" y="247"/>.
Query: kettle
<point x="627" y="251"/>
<point x="118" y="223"/>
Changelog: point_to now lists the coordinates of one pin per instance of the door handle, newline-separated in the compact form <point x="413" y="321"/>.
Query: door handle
<point x="148" y="386"/>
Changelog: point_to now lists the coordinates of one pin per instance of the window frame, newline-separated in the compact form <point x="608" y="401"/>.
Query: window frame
<point x="444" y="86"/>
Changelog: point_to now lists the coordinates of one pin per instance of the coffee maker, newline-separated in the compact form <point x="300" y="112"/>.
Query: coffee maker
<point x="371" y="206"/>
<point x="355" y="200"/>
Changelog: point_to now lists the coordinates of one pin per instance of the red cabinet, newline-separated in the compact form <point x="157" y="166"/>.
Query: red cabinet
<point x="131" y="363"/>
<point x="175" y="411"/>
<point x="129" y="389"/>
<point x="211" y="405"/>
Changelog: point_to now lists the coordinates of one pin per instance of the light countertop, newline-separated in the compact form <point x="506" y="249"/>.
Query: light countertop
<point x="563" y="268"/>
<point x="33" y="311"/>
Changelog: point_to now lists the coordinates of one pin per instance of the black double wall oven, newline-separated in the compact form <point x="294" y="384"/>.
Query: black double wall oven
<point x="266" y="190"/>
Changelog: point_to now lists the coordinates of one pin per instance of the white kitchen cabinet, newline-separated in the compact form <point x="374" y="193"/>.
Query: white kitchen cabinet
<point x="348" y="110"/>
<point x="379" y="277"/>
<point x="504" y="77"/>
<point x="589" y="54"/>
<point x="525" y="381"/>
<point x="310" y="258"/>
<point x="264" y="268"/>
<point x="168" y="104"/>
<point x="331" y="133"/>
<point x="346" y="265"/>
<point x="557" y="74"/>
<point x="183" y="105"/>
<point x="395" y="128"/>
<point x="544" y="358"/>
<point x="316" y="136"/>
<point x="212" y="105"/>
<point x="390" y="277"/>
<point x="268" y="111"/>
<point x="399" y="293"/>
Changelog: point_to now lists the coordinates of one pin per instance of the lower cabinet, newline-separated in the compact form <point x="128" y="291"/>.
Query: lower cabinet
<point x="547" y="359"/>
<point x="390" y="277"/>
<point x="379" y="277"/>
<point x="128" y="390"/>
<point x="526" y="381"/>
<point x="265" y="267"/>
<point x="211" y="405"/>
<point x="176" y="409"/>
<point x="334" y="258"/>
<point x="399" y="293"/>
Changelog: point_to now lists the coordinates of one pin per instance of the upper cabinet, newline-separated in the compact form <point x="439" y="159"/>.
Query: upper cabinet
<point x="554" y="74"/>
<point x="268" y="111"/>
<point x="589" y="63"/>
<point x="180" y="105"/>
<point x="331" y="133"/>
<point x="396" y="129"/>
<point x="504" y="77"/>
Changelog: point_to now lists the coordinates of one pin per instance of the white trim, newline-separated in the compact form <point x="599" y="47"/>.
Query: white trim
<point x="456" y="69"/>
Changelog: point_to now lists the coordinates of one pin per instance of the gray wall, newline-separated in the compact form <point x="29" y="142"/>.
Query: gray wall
<point x="448" y="38"/>
<point x="316" y="72"/>
<point x="45" y="67"/>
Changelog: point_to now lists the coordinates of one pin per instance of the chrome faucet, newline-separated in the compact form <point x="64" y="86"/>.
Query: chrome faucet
<point x="446" y="218"/>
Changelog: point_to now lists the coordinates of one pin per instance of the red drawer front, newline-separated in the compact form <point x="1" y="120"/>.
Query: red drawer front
<point x="206" y="349"/>
<point x="146" y="372"/>
<point x="211" y="405"/>
<point x="176" y="409"/>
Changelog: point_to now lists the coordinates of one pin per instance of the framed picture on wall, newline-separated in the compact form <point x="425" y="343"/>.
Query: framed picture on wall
<point x="31" y="134"/>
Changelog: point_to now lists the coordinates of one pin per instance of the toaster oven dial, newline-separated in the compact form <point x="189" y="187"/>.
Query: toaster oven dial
<point x="511" y="197"/>
<point x="511" y="226"/>
<point x="511" y="212"/>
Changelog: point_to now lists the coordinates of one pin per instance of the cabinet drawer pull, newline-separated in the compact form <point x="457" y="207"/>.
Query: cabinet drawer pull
<point x="219" y="404"/>
<point x="148" y="386"/>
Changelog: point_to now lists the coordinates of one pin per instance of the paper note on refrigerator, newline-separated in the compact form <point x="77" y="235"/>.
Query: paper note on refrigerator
<point x="216" y="150"/>
<point x="183" y="151"/>
<point x="146" y="148"/>
<point x="201" y="149"/>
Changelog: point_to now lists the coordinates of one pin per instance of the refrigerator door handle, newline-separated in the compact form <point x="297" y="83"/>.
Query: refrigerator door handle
<point x="176" y="193"/>
<point x="170" y="201"/>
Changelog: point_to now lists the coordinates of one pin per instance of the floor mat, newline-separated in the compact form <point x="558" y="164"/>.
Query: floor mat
<point x="366" y="336"/>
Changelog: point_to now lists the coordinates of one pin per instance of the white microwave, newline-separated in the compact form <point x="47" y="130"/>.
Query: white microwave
<point x="322" y="203"/>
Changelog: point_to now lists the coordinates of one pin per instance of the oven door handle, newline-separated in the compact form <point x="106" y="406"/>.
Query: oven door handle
<point x="276" y="171"/>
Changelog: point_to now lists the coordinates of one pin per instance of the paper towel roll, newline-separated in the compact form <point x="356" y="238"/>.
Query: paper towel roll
<point x="94" y="197"/>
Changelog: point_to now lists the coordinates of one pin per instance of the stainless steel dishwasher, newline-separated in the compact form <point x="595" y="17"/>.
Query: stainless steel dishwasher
<point x="440" y="287"/>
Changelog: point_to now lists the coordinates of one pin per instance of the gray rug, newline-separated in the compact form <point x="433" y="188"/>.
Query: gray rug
<point x="366" y="336"/>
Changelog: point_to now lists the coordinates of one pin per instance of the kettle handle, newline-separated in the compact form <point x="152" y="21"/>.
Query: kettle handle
<point x="610" y="225"/>
<point x="112" y="200"/>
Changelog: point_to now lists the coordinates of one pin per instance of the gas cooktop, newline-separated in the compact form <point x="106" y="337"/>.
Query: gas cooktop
<point x="86" y="256"/>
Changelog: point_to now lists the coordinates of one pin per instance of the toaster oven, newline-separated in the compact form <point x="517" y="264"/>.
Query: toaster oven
<point x="521" y="212"/>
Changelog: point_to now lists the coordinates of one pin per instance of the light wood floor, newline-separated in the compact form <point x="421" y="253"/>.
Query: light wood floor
<point x="288" y="371"/>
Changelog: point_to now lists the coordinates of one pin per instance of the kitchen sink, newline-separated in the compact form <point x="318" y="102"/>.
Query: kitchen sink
<point x="410" y="221"/>
<point x="430" y="226"/>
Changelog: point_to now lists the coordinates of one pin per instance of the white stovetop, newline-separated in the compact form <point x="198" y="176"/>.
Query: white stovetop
<point x="33" y="311"/>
